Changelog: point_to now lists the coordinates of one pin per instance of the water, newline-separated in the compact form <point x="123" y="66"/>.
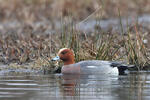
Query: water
<point x="135" y="86"/>
<point x="87" y="26"/>
<point x="114" y="23"/>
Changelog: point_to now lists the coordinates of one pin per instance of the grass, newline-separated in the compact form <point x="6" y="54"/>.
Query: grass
<point x="136" y="51"/>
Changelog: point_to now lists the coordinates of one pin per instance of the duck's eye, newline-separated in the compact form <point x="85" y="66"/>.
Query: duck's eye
<point x="64" y="52"/>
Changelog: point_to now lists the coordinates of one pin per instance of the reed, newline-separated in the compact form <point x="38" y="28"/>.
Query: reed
<point x="136" y="51"/>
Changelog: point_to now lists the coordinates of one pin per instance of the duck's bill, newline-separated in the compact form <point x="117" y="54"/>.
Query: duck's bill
<point x="56" y="58"/>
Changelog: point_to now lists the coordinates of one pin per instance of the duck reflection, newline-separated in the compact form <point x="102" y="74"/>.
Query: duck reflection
<point x="70" y="84"/>
<point x="86" y="86"/>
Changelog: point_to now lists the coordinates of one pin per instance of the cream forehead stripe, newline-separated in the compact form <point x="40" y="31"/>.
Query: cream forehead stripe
<point x="62" y="50"/>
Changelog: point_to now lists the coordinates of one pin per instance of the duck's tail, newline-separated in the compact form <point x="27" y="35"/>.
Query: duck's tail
<point x="122" y="68"/>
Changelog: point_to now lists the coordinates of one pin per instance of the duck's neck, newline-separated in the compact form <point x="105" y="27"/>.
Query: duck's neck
<point x="69" y="62"/>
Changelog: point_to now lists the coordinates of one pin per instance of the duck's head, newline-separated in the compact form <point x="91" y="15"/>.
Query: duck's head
<point x="66" y="55"/>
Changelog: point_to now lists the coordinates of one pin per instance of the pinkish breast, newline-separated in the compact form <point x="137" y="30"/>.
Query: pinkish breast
<point x="70" y="69"/>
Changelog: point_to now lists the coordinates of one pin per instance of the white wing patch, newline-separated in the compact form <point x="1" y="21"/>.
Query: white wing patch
<point x="92" y="66"/>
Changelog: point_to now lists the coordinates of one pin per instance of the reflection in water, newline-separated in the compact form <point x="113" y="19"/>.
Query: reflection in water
<point x="135" y="86"/>
<point x="70" y="84"/>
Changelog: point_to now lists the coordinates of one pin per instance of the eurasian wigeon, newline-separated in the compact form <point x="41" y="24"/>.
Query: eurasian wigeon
<point x="88" y="66"/>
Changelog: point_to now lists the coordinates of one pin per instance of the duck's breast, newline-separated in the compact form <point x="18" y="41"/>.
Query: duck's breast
<point x="71" y="69"/>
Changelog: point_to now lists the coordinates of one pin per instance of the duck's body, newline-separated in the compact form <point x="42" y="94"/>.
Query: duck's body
<point x="88" y="66"/>
<point x="95" y="67"/>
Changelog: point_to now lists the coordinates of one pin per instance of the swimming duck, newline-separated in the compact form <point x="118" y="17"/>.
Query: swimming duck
<point x="88" y="66"/>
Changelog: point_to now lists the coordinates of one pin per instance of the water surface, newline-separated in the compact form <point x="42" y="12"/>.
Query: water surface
<point x="135" y="86"/>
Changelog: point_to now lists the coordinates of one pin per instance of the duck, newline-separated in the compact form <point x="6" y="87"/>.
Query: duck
<point x="88" y="66"/>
